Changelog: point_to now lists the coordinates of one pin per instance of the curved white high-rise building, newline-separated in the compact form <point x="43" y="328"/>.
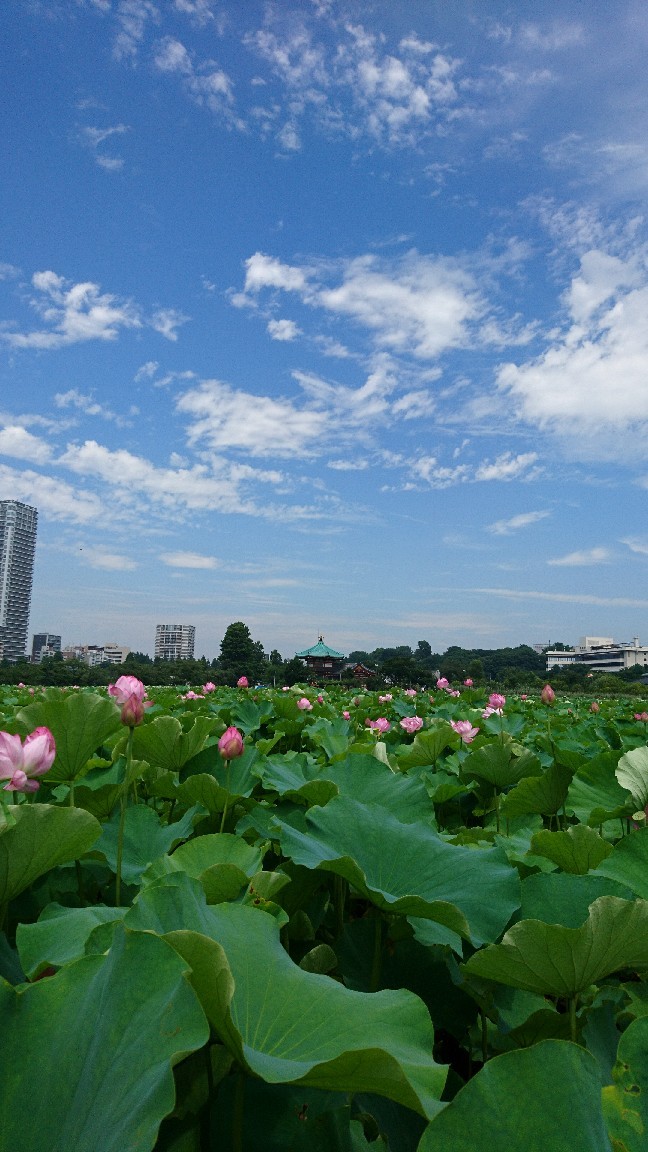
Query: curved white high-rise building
<point x="18" y="524"/>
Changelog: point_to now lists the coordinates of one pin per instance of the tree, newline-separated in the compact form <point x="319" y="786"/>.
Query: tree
<point x="276" y="658"/>
<point x="240" y="655"/>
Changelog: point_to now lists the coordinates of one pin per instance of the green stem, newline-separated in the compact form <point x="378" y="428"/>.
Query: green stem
<point x="122" y="818"/>
<point x="227" y="784"/>
<point x="497" y="811"/>
<point x="484" y="1036"/>
<point x="71" y="794"/>
<point x="376" y="963"/>
<point x="572" y="1018"/>
<point x="339" y="897"/>
<point x="239" y="1112"/>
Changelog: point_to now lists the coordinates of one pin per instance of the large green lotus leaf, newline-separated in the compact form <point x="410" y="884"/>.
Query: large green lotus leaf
<point x="79" y="724"/>
<point x="295" y="776"/>
<point x="428" y="746"/>
<point x="214" y="788"/>
<point x="222" y="864"/>
<point x="164" y="744"/>
<point x="288" y="1025"/>
<point x="60" y="934"/>
<point x="625" y="1103"/>
<point x="632" y="774"/>
<point x="562" y="898"/>
<point x="145" y="838"/>
<point x="628" y="862"/>
<point x="370" y="781"/>
<point x="248" y="716"/>
<point x="577" y="850"/>
<point x="107" y="1031"/>
<point x="407" y="868"/>
<point x="558" y="961"/>
<point x="595" y="794"/>
<point x="333" y="736"/>
<point x="497" y="765"/>
<point x="542" y="794"/>
<point x="541" y="1099"/>
<point x="42" y="837"/>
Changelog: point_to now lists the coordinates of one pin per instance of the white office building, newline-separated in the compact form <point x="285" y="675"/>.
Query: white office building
<point x="601" y="654"/>
<point x="175" y="641"/>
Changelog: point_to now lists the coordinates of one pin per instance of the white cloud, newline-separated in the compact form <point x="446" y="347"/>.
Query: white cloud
<point x="107" y="561"/>
<point x="559" y="36"/>
<point x="93" y="138"/>
<point x="52" y="497"/>
<point x="359" y="465"/>
<point x="189" y="560"/>
<point x="418" y="305"/>
<point x="589" y="386"/>
<point x="132" y="16"/>
<point x="74" y="313"/>
<point x="206" y="83"/>
<point x="223" y="418"/>
<point x="88" y="405"/>
<point x="18" y="442"/>
<point x="284" y="330"/>
<point x="585" y="557"/>
<point x="166" y="321"/>
<point x="507" y="467"/>
<point x="562" y="597"/>
<point x="636" y="544"/>
<point x="522" y="520"/>
<point x="266" y="272"/>
<point x="146" y="371"/>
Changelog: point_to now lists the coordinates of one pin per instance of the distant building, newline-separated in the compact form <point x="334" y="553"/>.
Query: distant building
<point x="174" y="641"/>
<point x="322" y="660"/>
<point x="44" y="644"/>
<point x="95" y="654"/>
<point x="18" y="524"/>
<point x="601" y="654"/>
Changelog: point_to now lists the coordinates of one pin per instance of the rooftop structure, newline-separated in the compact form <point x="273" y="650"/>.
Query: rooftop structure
<point x="322" y="660"/>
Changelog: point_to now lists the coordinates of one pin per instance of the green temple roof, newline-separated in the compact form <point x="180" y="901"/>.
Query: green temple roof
<point x="322" y="650"/>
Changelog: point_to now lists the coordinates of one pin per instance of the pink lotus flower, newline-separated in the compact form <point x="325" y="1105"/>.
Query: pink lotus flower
<point x="468" y="683"/>
<point x="411" y="723"/>
<point x="453" y="692"/>
<point x="130" y="693"/>
<point x="380" y="725"/>
<point x="242" y="682"/>
<point x="443" y="683"/>
<point x="496" y="701"/>
<point x="209" y="687"/>
<point x="320" y="699"/>
<point x="346" y="715"/>
<point x="304" y="704"/>
<point x="464" y="729"/>
<point x="547" y="695"/>
<point x="191" y="695"/>
<point x="524" y="696"/>
<point x="230" y="744"/>
<point x="595" y="707"/>
<point x="642" y="716"/>
<point x="21" y="763"/>
<point x="409" y="692"/>
<point x="385" y="699"/>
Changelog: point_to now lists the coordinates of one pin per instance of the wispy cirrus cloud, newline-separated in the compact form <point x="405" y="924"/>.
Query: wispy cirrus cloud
<point x="515" y="523"/>
<point x="583" y="558"/>
<point x="193" y="560"/>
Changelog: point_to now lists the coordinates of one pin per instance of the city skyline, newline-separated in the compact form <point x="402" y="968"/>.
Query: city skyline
<point x="327" y="316"/>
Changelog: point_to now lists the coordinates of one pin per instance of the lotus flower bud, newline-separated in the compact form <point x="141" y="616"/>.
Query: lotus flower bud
<point x="547" y="695"/>
<point x="242" y="682"/>
<point x="230" y="744"/>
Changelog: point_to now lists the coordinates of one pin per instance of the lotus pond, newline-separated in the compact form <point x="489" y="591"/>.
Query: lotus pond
<point x="249" y="920"/>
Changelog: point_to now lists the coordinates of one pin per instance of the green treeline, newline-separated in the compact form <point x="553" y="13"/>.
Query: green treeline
<point x="516" y="669"/>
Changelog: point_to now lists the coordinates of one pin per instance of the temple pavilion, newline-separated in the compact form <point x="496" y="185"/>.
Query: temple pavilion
<point x="322" y="660"/>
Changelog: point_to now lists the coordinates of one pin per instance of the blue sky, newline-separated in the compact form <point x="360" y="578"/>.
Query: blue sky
<point x="327" y="316"/>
